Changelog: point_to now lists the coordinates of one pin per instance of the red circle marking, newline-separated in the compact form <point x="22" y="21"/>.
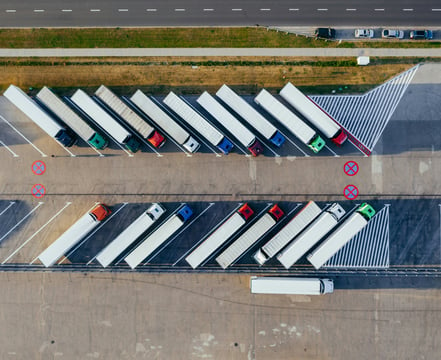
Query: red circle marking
<point x="350" y="168"/>
<point x="350" y="192"/>
<point x="38" y="191"/>
<point x="38" y="167"/>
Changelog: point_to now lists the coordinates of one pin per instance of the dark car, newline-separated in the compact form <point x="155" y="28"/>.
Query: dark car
<point x="421" y="34"/>
<point x="325" y="33"/>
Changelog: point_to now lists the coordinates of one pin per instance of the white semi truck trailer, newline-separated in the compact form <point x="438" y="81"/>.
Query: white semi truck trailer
<point x="291" y="286"/>
<point x="313" y="113"/>
<point x="299" y="222"/>
<point x="290" y="120"/>
<point x="315" y="231"/>
<point x="165" y="122"/>
<point x="345" y="232"/>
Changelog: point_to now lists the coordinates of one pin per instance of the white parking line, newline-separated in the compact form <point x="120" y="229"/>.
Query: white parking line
<point x="95" y="10"/>
<point x="92" y="233"/>
<point x="66" y="10"/>
<point x="407" y="9"/>
<point x="179" y="9"/>
<point x="12" y="229"/>
<point x="351" y="9"/>
<point x="24" y="137"/>
<point x="123" y="10"/>
<point x="180" y="232"/>
<point x="292" y="142"/>
<point x="335" y="154"/>
<point x="13" y="11"/>
<point x="293" y="9"/>
<point x="38" y="10"/>
<point x="378" y="9"/>
<point x="265" y="9"/>
<point x="151" y="10"/>
<point x="34" y="234"/>
<point x="436" y="9"/>
<point x="8" y="148"/>
<point x="208" y="9"/>
<point x="209" y="233"/>
<point x="10" y="204"/>
<point x="236" y="9"/>
<point x="322" y="9"/>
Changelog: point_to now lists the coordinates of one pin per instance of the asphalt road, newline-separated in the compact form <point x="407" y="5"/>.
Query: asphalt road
<point x="62" y="13"/>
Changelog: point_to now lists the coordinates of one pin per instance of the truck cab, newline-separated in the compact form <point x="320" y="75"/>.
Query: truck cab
<point x="256" y="148"/>
<point x="132" y="144"/>
<point x="276" y="212"/>
<point x="245" y="211"/>
<point x="316" y="144"/>
<point x="100" y="212"/>
<point x="366" y="210"/>
<point x="155" y="211"/>
<point x="277" y="139"/>
<point x="157" y="140"/>
<point x="185" y="213"/>
<point x="339" y="138"/>
<point x="337" y="211"/>
<point x="225" y="146"/>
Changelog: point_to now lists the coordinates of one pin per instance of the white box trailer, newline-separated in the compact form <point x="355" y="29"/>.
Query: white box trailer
<point x="78" y="231"/>
<point x="165" y="122"/>
<point x="291" y="286"/>
<point x="290" y="120"/>
<point x="71" y="118"/>
<point x="34" y="112"/>
<point x="219" y="236"/>
<point x="234" y="126"/>
<point x="128" y="236"/>
<point x="313" y="113"/>
<point x="311" y="235"/>
<point x="299" y="222"/>
<point x="197" y="122"/>
<point x="158" y="237"/>
<point x="250" y="115"/>
<point x="350" y="227"/>
<point x="250" y="237"/>
<point x="129" y="116"/>
<point x="105" y="120"/>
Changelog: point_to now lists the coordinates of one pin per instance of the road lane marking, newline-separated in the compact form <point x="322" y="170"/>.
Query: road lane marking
<point x="13" y="11"/>
<point x="10" y="204"/>
<point x="436" y="9"/>
<point x="179" y="9"/>
<point x="24" y="137"/>
<point x="293" y="9"/>
<point x="35" y="233"/>
<point x="407" y="9"/>
<point x="378" y="9"/>
<point x="236" y="9"/>
<point x="123" y="10"/>
<point x="13" y="228"/>
<point x="265" y="9"/>
<point x="95" y="10"/>
<point x="151" y="10"/>
<point x="66" y="10"/>
<point x="208" y="9"/>
<point x="38" y="10"/>
<point x="351" y="9"/>
<point x="8" y="148"/>
<point x="322" y="9"/>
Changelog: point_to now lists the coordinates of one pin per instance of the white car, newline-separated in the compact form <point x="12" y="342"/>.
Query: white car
<point x="364" y="33"/>
<point x="388" y="33"/>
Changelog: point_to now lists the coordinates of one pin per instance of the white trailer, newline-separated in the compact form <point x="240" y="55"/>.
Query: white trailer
<point x="291" y="286"/>
<point x="197" y="122"/>
<point x="350" y="227"/>
<point x="129" y="116"/>
<point x="250" y="115"/>
<point x="313" y="113"/>
<point x="70" y="118"/>
<point x="73" y="235"/>
<point x="234" y="126"/>
<point x="103" y="119"/>
<point x="288" y="232"/>
<point x="165" y="122"/>
<point x="311" y="235"/>
<point x="128" y="236"/>
<point x="34" y="112"/>
<point x="250" y="237"/>
<point x="219" y="236"/>
<point x="158" y="237"/>
<point x="290" y="120"/>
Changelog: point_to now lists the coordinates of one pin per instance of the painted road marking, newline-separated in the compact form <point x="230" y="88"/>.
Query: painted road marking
<point x="9" y="149"/>
<point x="38" y="167"/>
<point x="10" y="204"/>
<point x="13" y="228"/>
<point x="13" y="11"/>
<point x="322" y="9"/>
<point x="123" y="10"/>
<point x="66" y="10"/>
<point x="378" y="9"/>
<point x="265" y="9"/>
<point x="151" y="10"/>
<point x="351" y="9"/>
<point x="38" y="10"/>
<point x="293" y="9"/>
<point x="350" y="168"/>
<point x="350" y="192"/>
<point x="179" y="9"/>
<point x="332" y="151"/>
<point x="34" y="234"/>
<point x="407" y="9"/>
<point x="24" y="137"/>
<point x="236" y="9"/>
<point x="208" y="9"/>
<point x="95" y="10"/>
<point x="38" y="191"/>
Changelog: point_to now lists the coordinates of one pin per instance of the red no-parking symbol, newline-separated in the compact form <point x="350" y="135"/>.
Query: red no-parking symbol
<point x="350" y="192"/>
<point x="38" y="167"/>
<point x="38" y="191"/>
<point x="350" y="168"/>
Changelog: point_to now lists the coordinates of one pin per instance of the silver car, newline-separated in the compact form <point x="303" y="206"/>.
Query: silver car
<point x="364" y="33"/>
<point x="394" y="34"/>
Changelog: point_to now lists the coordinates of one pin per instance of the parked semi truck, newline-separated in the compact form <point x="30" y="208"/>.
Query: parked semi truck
<point x="299" y="222"/>
<point x="219" y="236"/>
<point x="71" y="118"/>
<point x="290" y="120"/>
<point x="348" y="229"/>
<point x="315" y="231"/>
<point x="74" y="235"/>
<point x="250" y="115"/>
<point x="105" y="120"/>
<point x="197" y="122"/>
<point x="291" y="286"/>
<point x="250" y="237"/>
<point x="158" y="237"/>
<point x="165" y="122"/>
<point x="128" y="236"/>
<point x="234" y="126"/>
<point x="130" y="117"/>
<point x="313" y="113"/>
<point x="34" y="112"/>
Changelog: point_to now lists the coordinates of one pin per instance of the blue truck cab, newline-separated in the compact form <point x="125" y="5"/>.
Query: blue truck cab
<point x="225" y="146"/>
<point x="277" y="139"/>
<point x="185" y="213"/>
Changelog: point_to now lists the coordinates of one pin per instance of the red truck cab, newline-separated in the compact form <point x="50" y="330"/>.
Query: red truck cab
<point x="157" y="140"/>
<point x="100" y="212"/>
<point x="245" y="211"/>
<point x="276" y="212"/>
